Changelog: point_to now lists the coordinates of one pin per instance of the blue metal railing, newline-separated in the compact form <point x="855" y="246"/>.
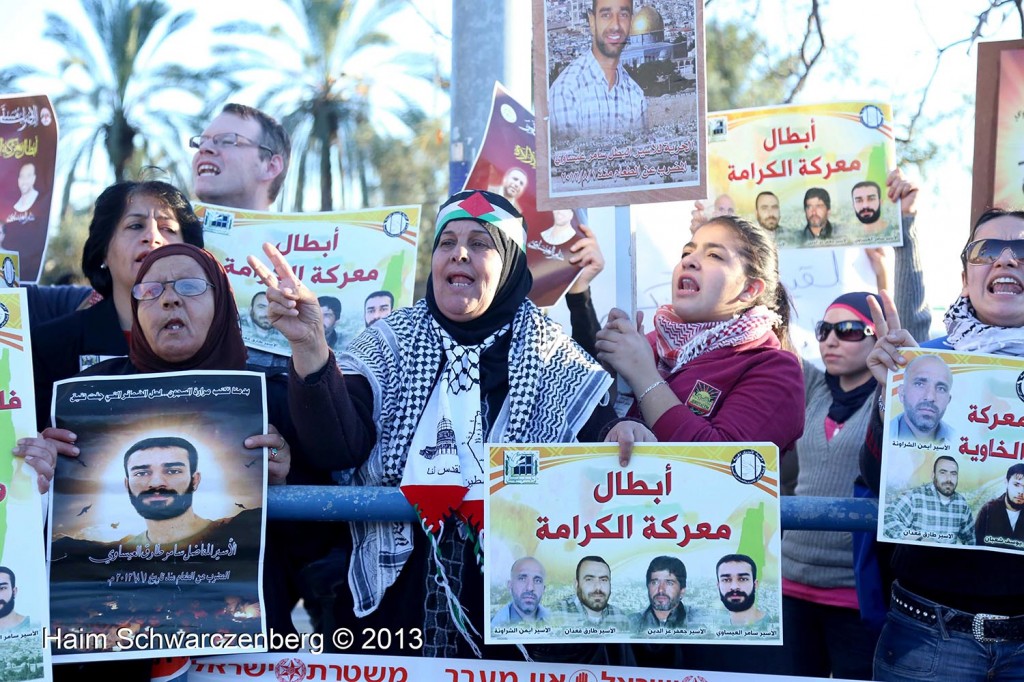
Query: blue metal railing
<point x="344" y="503"/>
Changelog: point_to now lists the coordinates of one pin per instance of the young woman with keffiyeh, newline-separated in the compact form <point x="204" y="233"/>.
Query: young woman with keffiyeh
<point x="714" y="368"/>
<point x="417" y="395"/>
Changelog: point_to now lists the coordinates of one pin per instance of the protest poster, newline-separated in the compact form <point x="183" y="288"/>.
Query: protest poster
<point x="9" y="269"/>
<point x="633" y="554"/>
<point x="23" y="607"/>
<point x="638" y="138"/>
<point x="507" y="165"/>
<point x="156" y="527"/>
<point x="998" y="175"/>
<point x="352" y="260"/>
<point x="817" y="171"/>
<point x="952" y="450"/>
<point x="28" y="161"/>
<point x="363" y="668"/>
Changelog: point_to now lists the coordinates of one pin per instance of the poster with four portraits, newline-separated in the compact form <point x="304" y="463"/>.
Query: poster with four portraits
<point x="361" y="264"/>
<point x="953" y="452"/>
<point x="813" y="174"/>
<point x="681" y="545"/>
<point x="155" y="530"/>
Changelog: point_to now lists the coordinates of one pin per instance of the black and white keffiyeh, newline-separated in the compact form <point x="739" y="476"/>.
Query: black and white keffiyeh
<point x="967" y="333"/>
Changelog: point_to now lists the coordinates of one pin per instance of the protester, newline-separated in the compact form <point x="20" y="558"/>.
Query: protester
<point x="130" y="220"/>
<point x="955" y="612"/>
<point x="715" y="356"/>
<point x="466" y="360"/>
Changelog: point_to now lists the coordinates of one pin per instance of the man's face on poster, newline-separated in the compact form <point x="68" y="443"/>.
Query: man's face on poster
<point x="816" y="212"/>
<point x="925" y="393"/>
<point x="27" y="178"/>
<point x="768" y="213"/>
<point x="526" y="585"/>
<point x="258" y="311"/>
<point x="160" y="483"/>
<point x="610" y="22"/>
<point x="664" y="591"/>
<point x="945" y="477"/>
<point x="513" y="184"/>
<point x="376" y="308"/>
<point x="736" y="585"/>
<point x="7" y="594"/>
<point x="867" y="204"/>
<point x="1015" y="492"/>
<point x="594" y="585"/>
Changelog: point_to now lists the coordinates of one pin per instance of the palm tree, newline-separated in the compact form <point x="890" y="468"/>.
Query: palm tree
<point x="329" y="81"/>
<point x="116" y="96"/>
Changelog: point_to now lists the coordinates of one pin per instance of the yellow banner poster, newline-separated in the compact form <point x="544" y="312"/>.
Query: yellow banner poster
<point x="360" y="264"/>
<point x="23" y="607"/>
<point x="953" y="451"/>
<point x="681" y="545"/>
<point x="813" y="174"/>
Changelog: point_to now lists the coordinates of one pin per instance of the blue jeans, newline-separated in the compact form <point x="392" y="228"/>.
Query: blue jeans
<point x="911" y="650"/>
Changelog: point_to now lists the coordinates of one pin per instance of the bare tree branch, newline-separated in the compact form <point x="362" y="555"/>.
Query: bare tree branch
<point x="815" y="33"/>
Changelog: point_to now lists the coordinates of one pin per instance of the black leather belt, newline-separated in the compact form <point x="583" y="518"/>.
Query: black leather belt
<point x="984" y="627"/>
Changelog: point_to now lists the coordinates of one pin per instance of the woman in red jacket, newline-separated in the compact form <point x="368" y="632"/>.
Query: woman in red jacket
<point x="714" y="368"/>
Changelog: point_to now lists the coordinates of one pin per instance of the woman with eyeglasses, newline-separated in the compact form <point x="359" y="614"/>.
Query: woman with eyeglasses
<point x="130" y="220"/>
<point x="974" y="627"/>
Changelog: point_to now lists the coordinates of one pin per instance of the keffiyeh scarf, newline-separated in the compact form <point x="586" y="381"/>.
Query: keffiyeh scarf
<point x="679" y="342"/>
<point x="967" y="333"/>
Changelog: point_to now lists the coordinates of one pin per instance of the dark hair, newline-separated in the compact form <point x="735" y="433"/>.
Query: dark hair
<point x="867" y="183"/>
<point x="272" y="135"/>
<point x="818" y="193"/>
<point x="938" y="459"/>
<point x="4" y="569"/>
<point x="990" y="214"/>
<point x="761" y="261"/>
<point x="165" y="442"/>
<point x="592" y="558"/>
<point x="670" y="564"/>
<point x="252" y="301"/>
<point x="764" y="194"/>
<point x="730" y="558"/>
<point x="1015" y="470"/>
<point x="380" y="293"/>
<point x="330" y="302"/>
<point x="593" y="6"/>
<point x="110" y="207"/>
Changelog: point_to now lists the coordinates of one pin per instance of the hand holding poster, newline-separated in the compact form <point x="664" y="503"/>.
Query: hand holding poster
<point x="28" y="157"/>
<point x="23" y="608"/>
<point x="681" y="545"/>
<point x="361" y="264"/>
<point x="156" y="526"/>
<point x="812" y="174"/>
<point x="953" y="451"/>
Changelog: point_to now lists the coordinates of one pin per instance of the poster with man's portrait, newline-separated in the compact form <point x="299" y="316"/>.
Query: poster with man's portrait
<point x="620" y="101"/>
<point x="23" y="607"/>
<point x="156" y="527"/>
<point x="28" y="157"/>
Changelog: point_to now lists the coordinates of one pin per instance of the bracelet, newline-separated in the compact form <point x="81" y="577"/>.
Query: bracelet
<point x="650" y="388"/>
<point x="881" y="405"/>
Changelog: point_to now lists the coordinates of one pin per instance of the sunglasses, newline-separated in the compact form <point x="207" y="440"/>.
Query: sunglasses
<point x="189" y="286"/>
<point x="988" y="251"/>
<point x="847" y="330"/>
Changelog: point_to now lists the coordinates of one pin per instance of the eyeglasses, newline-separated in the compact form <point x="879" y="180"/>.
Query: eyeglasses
<point x="847" y="330"/>
<point x="226" y="140"/>
<point x="988" y="251"/>
<point x="189" y="286"/>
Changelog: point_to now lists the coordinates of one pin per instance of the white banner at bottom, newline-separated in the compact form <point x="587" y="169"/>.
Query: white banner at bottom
<point x="294" y="667"/>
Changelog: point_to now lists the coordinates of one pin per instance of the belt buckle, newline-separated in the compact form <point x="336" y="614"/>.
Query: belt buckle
<point x="978" y="626"/>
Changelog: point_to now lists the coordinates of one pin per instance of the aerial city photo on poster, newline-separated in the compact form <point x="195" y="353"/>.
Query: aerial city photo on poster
<point x="623" y="111"/>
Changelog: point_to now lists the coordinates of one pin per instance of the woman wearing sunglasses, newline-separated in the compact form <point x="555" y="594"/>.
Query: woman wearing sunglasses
<point x="979" y="634"/>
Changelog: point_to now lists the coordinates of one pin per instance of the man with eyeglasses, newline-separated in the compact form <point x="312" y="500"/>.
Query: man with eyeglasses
<point x="925" y="394"/>
<point x="241" y="159"/>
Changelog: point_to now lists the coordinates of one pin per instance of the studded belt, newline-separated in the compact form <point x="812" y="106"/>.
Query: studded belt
<point x="984" y="627"/>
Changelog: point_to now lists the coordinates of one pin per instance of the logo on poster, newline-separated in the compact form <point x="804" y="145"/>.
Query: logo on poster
<point x="5" y="315"/>
<point x="1020" y="386"/>
<point x="748" y="466"/>
<point x="9" y="272"/>
<point x="521" y="466"/>
<point x="219" y="222"/>
<point x="582" y="676"/>
<point x="872" y="117"/>
<point x="290" y="670"/>
<point x="396" y="224"/>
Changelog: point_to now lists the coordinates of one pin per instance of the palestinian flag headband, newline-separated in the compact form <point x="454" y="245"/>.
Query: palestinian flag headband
<point x="479" y="208"/>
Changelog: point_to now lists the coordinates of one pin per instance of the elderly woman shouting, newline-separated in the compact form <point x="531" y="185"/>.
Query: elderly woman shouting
<point x="419" y="393"/>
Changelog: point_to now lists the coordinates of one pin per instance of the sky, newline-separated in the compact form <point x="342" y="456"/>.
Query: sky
<point x="877" y="49"/>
